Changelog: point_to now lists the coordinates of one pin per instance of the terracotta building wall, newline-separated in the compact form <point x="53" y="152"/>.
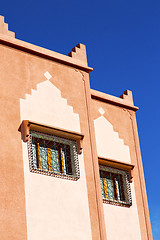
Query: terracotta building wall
<point x="54" y="206"/>
<point x="26" y="93"/>
<point x="21" y="71"/>
<point x="116" y="119"/>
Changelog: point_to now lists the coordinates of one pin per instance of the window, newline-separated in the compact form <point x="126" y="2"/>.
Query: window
<point x="53" y="155"/>
<point x="115" y="186"/>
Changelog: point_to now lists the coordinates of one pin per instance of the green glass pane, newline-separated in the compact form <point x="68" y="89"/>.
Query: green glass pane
<point x="55" y="162"/>
<point x="102" y="187"/>
<point x="44" y="158"/>
<point x="34" y="155"/>
<point x="110" y="188"/>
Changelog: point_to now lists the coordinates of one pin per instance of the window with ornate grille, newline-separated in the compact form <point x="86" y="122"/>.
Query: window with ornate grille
<point x="115" y="186"/>
<point x="53" y="155"/>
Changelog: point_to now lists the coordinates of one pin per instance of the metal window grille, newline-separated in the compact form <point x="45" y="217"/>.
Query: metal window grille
<point x="115" y="186"/>
<point x="53" y="156"/>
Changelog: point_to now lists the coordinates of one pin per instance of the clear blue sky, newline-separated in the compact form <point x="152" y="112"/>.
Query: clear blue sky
<point x="123" y="47"/>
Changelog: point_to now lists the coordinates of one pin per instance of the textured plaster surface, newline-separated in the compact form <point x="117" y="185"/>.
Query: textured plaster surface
<point x="21" y="71"/>
<point x="121" y="222"/>
<point x="54" y="207"/>
<point x="122" y="121"/>
<point x="109" y="145"/>
<point x="45" y="53"/>
<point x="46" y="106"/>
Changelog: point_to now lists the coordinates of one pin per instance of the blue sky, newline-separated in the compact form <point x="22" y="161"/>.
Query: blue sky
<point x="123" y="47"/>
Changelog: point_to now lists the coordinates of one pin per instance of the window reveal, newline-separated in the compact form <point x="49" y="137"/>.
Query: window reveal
<point x="115" y="186"/>
<point x="53" y="155"/>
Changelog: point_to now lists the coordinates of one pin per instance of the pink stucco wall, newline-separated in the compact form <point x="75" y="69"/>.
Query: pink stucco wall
<point x="55" y="208"/>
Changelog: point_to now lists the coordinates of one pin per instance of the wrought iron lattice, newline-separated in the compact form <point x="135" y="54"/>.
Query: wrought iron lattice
<point x="115" y="186"/>
<point x="53" y="156"/>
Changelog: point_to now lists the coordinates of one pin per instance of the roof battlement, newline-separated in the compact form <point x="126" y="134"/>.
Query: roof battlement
<point x="127" y="96"/>
<point x="79" y="53"/>
<point x="4" y="28"/>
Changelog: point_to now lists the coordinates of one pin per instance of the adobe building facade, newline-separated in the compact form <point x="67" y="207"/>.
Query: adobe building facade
<point x="71" y="165"/>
